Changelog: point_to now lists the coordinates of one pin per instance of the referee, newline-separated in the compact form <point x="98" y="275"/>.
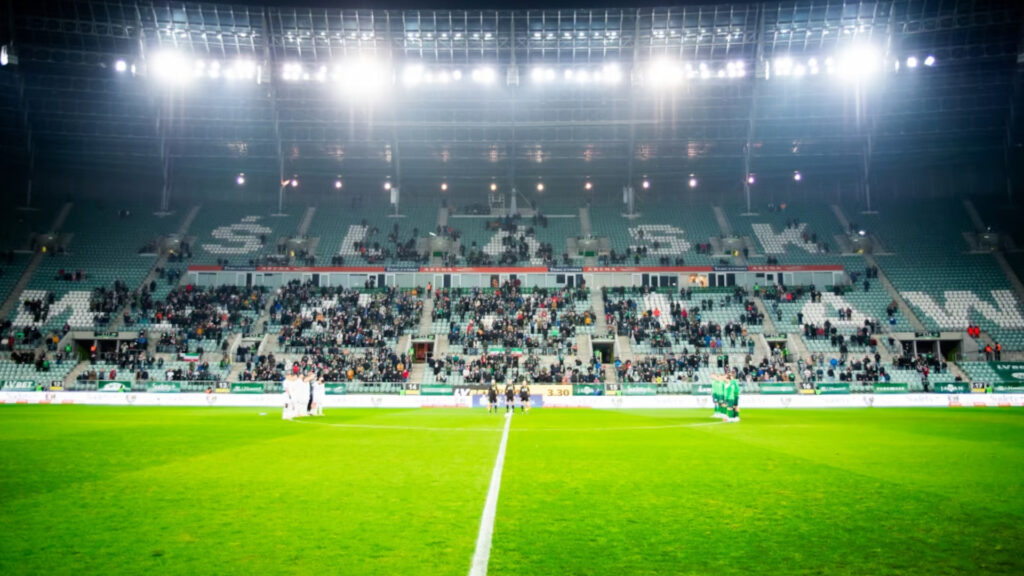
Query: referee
<point x="510" y="397"/>
<point x="492" y="398"/>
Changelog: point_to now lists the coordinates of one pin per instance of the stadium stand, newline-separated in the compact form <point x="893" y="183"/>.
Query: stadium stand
<point x="239" y="234"/>
<point x="306" y="317"/>
<point x="658" y="321"/>
<point x="665" y="232"/>
<point x="790" y="233"/>
<point x="511" y="317"/>
<point x="69" y="278"/>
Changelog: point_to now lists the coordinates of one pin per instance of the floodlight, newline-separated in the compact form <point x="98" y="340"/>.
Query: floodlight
<point x="484" y="75"/>
<point x="169" y="67"/>
<point x="456" y="75"/>
<point x="587" y="185"/>
<point x="912" y="62"/>
<point x="214" y="69"/>
<point x="663" y="73"/>
<point x="693" y="181"/>
<point x="797" y="176"/>
<point x="337" y="184"/>
<point x="611" y="74"/>
<point x="537" y="74"/>
<point x="645" y="184"/>
<point x="240" y="179"/>
<point x="362" y="76"/>
<point x="751" y="179"/>
<point x="860" y="63"/>
<point x="493" y="186"/>
<point x="292" y="72"/>
<point x="783" y="66"/>
<point x="295" y="182"/>
<point x="120" y="66"/>
<point x="387" y="185"/>
<point x="862" y="233"/>
<point x="5" y="57"/>
<point x="540" y="186"/>
<point x="929" y="61"/>
<point x="412" y="75"/>
<point x="444" y="186"/>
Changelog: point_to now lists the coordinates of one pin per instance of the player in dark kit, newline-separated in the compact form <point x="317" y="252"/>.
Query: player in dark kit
<point x="510" y="397"/>
<point x="524" y="398"/>
<point x="492" y="398"/>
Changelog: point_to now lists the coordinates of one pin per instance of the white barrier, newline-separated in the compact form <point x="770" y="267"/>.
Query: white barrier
<point x="599" y="402"/>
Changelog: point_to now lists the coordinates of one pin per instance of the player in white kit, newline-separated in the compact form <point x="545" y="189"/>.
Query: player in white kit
<point x="288" y="411"/>
<point x="319" y="395"/>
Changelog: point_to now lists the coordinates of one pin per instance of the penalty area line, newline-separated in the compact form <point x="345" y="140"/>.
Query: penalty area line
<point x="482" y="555"/>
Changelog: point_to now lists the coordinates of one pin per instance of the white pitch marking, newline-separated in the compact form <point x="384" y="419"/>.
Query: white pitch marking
<point x="483" y="540"/>
<point x="480" y="429"/>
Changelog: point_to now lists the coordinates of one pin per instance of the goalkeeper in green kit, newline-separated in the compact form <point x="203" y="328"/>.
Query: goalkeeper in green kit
<point x="732" y="400"/>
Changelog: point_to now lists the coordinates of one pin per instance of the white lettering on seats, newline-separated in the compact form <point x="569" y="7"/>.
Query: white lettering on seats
<point x="776" y="243"/>
<point x="956" y="313"/>
<point x="77" y="303"/>
<point x="669" y="238"/>
<point x="245" y="236"/>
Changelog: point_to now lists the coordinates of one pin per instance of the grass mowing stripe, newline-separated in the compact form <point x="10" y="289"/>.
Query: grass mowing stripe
<point x="483" y="540"/>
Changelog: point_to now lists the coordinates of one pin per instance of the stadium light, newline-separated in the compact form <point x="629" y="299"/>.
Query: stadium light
<point x="860" y="63"/>
<point x="170" y="67"/>
<point x="337" y="184"/>
<point x="494" y="187"/>
<point x="444" y="186"/>
<point x="387" y="184"/>
<point x="751" y="179"/>
<point x="240" y="179"/>
<point x="120" y="65"/>
<point x="361" y="76"/>
<point x="663" y="73"/>
<point x="540" y="186"/>
<point x="483" y="75"/>
<point x="291" y="72"/>
<point x="295" y="181"/>
<point x="693" y="181"/>
<point x="797" y="176"/>
<point x="611" y="74"/>
<point x="912" y="62"/>
<point x="929" y="61"/>
<point x="587" y="185"/>
<point x="412" y="75"/>
<point x="646" y="184"/>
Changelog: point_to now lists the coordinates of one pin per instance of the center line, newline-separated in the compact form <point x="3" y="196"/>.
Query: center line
<point x="483" y="540"/>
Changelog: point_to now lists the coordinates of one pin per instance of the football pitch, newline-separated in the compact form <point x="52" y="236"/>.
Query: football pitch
<point x="100" y="490"/>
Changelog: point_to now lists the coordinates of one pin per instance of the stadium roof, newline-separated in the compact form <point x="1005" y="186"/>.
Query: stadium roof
<point x="658" y="91"/>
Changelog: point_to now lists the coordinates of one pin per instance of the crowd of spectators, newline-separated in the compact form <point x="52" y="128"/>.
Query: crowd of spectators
<point x="508" y="367"/>
<point x="313" y="317"/>
<point x="509" y="317"/>
<point x="374" y="249"/>
<point x="684" y="322"/>
<point x="333" y="365"/>
<point x="197" y="313"/>
<point x="519" y="234"/>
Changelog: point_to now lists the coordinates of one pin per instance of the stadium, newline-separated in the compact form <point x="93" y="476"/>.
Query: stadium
<point x="710" y="288"/>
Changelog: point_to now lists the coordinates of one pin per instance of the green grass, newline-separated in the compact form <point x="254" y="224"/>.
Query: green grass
<point x="87" y="490"/>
